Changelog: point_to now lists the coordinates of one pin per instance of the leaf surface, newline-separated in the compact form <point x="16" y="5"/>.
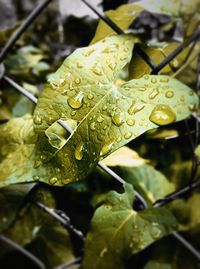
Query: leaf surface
<point x="118" y="231"/>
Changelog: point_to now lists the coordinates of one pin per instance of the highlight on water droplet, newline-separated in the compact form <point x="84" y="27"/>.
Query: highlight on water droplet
<point x="79" y="151"/>
<point x="162" y="115"/>
<point x="77" y="101"/>
<point x="106" y="149"/>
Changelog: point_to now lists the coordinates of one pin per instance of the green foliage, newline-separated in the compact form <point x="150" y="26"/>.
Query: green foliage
<point x="107" y="96"/>
<point x="117" y="231"/>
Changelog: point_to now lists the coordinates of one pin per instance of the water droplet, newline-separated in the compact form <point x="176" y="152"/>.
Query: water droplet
<point x="135" y="108"/>
<point x="114" y="47"/>
<point x="53" y="180"/>
<point x="182" y="98"/>
<point x="93" y="126"/>
<point x="105" y="127"/>
<point x="79" y="151"/>
<point x="169" y="94"/>
<point x="175" y="63"/>
<point x="100" y="119"/>
<point x="126" y="49"/>
<point x="142" y="89"/>
<point x="154" y="93"/>
<point x="88" y="52"/>
<point x="77" y="81"/>
<point x="37" y="120"/>
<point x="65" y="181"/>
<point x="146" y="76"/>
<point x="117" y="119"/>
<point x="97" y="69"/>
<point x="153" y="80"/>
<point x="164" y="79"/>
<point x="43" y="157"/>
<point x="106" y="149"/>
<point x="90" y="96"/>
<point x="77" y="101"/>
<point x="118" y="139"/>
<point x="37" y="163"/>
<point x="36" y="177"/>
<point x="123" y="57"/>
<point x="112" y="65"/>
<point x="73" y="113"/>
<point x="104" y="107"/>
<point x="192" y="107"/>
<point x="128" y="135"/>
<point x="79" y="65"/>
<point x="130" y="122"/>
<point x="162" y="115"/>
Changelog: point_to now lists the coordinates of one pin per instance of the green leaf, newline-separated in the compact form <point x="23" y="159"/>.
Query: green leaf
<point x="151" y="183"/>
<point x="117" y="231"/>
<point x="123" y="16"/>
<point x="108" y="114"/>
<point x="11" y="199"/>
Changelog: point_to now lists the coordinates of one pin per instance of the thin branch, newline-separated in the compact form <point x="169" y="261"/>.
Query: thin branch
<point x="23" y="251"/>
<point x="13" y="39"/>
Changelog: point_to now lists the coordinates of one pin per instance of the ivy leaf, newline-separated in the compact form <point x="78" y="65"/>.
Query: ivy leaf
<point x="109" y="244"/>
<point x="123" y="16"/>
<point x="148" y="181"/>
<point x="108" y="114"/>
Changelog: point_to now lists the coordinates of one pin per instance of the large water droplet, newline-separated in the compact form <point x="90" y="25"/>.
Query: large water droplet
<point x="117" y="119"/>
<point x="106" y="149"/>
<point x="37" y="120"/>
<point x="154" y="93"/>
<point x="79" y="151"/>
<point x="77" y="101"/>
<point x="162" y="115"/>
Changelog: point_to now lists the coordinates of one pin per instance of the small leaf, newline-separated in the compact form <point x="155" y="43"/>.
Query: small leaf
<point x="117" y="231"/>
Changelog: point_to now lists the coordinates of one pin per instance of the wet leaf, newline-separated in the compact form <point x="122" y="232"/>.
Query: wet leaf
<point x="124" y="157"/>
<point x="123" y="16"/>
<point x="107" y="115"/>
<point x="117" y="231"/>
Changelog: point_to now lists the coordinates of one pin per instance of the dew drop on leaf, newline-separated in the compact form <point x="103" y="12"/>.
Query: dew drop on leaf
<point x="93" y="126"/>
<point x="100" y="119"/>
<point x="77" y="101"/>
<point x="130" y="122"/>
<point x="90" y="96"/>
<point x="169" y="94"/>
<point x="36" y="177"/>
<point x="97" y="69"/>
<point x="164" y="79"/>
<point x="128" y="135"/>
<point x="112" y="65"/>
<point x="162" y="115"/>
<point x="117" y="119"/>
<point x="77" y="81"/>
<point x="154" y="93"/>
<point x="79" y="65"/>
<point x="106" y="149"/>
<point x="153" y="80"/>
<point x="79" y="152"/>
